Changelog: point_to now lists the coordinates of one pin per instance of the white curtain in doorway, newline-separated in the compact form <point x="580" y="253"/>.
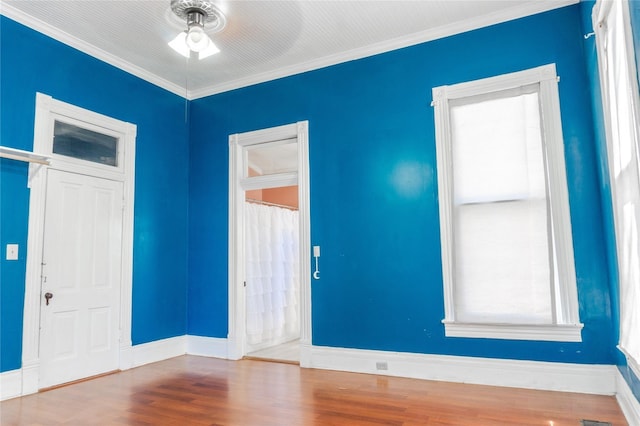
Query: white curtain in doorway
<point x="272" y="276"/>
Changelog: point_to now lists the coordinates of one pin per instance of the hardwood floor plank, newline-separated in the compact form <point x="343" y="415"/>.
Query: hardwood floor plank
<point x="192" y="390"/>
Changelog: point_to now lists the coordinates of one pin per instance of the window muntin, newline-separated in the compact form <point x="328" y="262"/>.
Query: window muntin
<point x="506" y="234"/>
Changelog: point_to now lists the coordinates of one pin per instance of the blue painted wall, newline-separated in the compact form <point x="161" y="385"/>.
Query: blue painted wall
<point x="374" y="204"/>
<point x="34" y="63"/>
<point x="374" y="198"/>
<point x="603" y="172"/>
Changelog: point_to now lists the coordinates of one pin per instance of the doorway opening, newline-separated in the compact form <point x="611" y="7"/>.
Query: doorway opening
<point x="269" y="241"/>
<point x="272" y="273"/>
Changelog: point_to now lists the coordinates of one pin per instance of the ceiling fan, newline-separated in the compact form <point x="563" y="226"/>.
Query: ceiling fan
<point x="195" y="39"/>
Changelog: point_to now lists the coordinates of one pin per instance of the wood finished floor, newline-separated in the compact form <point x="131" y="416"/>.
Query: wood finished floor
<point x="191" y="390"/>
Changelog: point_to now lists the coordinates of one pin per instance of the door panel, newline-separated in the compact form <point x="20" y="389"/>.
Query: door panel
<point x="81" y="269"/>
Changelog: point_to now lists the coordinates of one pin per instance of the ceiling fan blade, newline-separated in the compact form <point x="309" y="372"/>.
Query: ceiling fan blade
<point x="211" y="49"/>
<point x="179" y="44"/>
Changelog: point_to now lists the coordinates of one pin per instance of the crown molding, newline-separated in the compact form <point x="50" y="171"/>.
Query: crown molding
<point x="516" y="12"/>
<point x="91" y="50"/>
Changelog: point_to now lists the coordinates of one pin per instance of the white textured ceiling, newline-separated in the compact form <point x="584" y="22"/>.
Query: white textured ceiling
<point x="263" y="39"/>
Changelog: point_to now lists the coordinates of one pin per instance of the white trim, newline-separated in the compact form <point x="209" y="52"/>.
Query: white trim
<point x="81" y="45"/>
<point x="214" y="347"/>
<point x="126" y="357"/>
<point x="553" y="142"/>
<point x="30" y="377"/>
<point x="566" y="325"/>
<point x="544" y="73"/>
<point x="158" y="350"/>
<point x="269" y="181"/>
<point x="10" y="384"/>
<point x="304" y="209"/>
<point x="553" y="376"/>
<point x="126" y="295"/>
<point x="516" y="12"/>
<point x="278" y="135"/>
<point x="237" y="313"/>
<point x="550" y="332"/>
<point x="46" y="109"/>
<point x="237" y="185"/>
<point x="629" y="404"/>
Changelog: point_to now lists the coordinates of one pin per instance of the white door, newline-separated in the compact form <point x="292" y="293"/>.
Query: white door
<point x="80" y="277"/>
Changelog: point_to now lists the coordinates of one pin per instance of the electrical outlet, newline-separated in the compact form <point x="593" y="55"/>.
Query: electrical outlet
<point x="382" y="365"/>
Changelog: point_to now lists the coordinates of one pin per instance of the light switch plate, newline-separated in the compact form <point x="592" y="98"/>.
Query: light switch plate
<point x="12" y="251"/>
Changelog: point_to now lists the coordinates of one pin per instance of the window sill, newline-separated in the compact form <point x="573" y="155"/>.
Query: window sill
<point x="550" y="332"/>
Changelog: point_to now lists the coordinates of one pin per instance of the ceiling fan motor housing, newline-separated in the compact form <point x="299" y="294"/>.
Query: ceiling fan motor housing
<point x="199" y="12"/>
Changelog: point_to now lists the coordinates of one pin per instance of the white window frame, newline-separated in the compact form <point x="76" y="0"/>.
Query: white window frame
<point x="620" y="180"/>
<point x="566" y="326"/>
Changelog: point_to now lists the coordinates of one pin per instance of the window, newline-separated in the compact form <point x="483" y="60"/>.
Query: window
<point x="507" y="251"/>
<point x="272" y="158"/>
<point x="621" y="105"/>
<point x="77" y="142"/>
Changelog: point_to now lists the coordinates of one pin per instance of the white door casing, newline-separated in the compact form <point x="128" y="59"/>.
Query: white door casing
<point x="48" y="110"/>
<point x="81" y="272"/>
<point x="238" y="184"/>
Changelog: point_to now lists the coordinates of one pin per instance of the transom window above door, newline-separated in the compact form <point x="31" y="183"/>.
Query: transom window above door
<point x="271" y="158"/>
<point x="74" y="141"/>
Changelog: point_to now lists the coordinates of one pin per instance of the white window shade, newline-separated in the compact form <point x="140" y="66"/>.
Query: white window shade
<point x="502" y="263"/>
<point x="501" y="245"/>
<point x="497" y="150"/>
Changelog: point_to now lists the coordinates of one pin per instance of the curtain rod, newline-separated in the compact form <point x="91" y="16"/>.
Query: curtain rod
<point x="266" y="203"/>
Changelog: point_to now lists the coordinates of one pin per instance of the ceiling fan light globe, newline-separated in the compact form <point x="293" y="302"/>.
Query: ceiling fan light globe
<point x="197" y="40"/>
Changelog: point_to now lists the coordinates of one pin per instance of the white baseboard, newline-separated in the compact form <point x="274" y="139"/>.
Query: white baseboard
<point x="126" y="357"/>
<point x="30" y="377"/>
<point x="629" y="404"/>
<point x="581" y="378"/>
<point x="10" y="384"/>
<point x="158" y="350"/>
<point x="306" y="355"/>
<point x="207" y="346"/>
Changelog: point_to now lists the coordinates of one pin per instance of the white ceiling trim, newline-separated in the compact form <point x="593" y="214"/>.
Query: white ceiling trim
<point x="63" y="37"/>
<point x="520" y="11"/>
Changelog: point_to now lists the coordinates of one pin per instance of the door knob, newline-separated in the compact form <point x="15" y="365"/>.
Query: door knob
<point x="48" y="296"/>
